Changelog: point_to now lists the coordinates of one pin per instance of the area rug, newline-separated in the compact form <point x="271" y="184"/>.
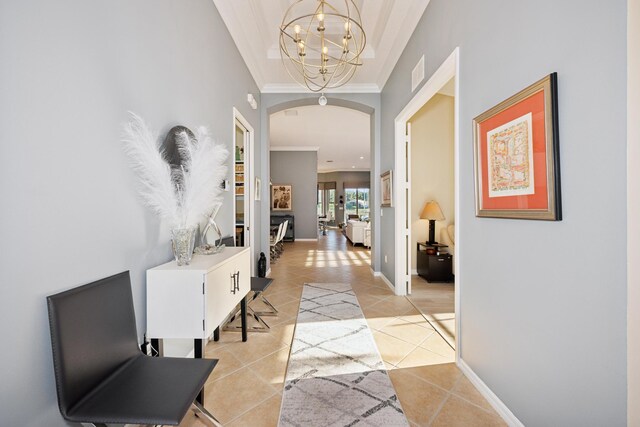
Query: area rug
<point x="335" y="375"/>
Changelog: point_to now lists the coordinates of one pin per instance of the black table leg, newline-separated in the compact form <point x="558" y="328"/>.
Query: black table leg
<point x="243" y="314"/>
<point x="216" y="334"/>
<point x="198" y="353"/>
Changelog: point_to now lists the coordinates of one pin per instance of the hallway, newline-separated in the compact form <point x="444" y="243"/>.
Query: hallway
<point x="245" y="389"/>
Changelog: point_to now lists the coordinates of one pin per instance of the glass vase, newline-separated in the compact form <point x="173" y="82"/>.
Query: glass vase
<point x="182" y="242"/>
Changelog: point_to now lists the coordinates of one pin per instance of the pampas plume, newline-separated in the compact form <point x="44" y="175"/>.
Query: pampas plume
<point x="180" y="196"/>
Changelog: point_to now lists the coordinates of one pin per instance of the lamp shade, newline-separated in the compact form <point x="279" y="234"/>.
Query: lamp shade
<point x="432" y="211"/>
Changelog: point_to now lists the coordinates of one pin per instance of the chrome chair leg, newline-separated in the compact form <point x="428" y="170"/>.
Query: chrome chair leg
<point x="204" y="415"/>
<point x="272" y="312"/>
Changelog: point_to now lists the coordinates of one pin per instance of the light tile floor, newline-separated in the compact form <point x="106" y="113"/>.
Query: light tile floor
<point x="436" y="302"/>
<point x="245" y="389"/>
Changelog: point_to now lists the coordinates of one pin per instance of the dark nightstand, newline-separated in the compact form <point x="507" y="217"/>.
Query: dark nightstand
<point x="436" y="267"/>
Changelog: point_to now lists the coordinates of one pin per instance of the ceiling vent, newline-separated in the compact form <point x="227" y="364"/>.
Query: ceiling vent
<point x="417" y="75"/>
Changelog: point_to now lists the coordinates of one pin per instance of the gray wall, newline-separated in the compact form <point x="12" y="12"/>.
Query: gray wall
<point x="298" y="168"/>
<point x="366" y="102"/>
<point x="340" y="177"/>
<point x="633" y="211"/>
<point x="70" y="213"/>
<point x="543" y="303"/>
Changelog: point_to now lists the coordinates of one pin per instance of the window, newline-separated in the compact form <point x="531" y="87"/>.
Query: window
<point x="356" y="201"/>
<point x="327" y="201"/>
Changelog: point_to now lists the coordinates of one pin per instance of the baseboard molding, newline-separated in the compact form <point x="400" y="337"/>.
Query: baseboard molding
<point x="307" y="240"/>
<point x="414" y="272"/>
<point x="388" y="282"/>
<point x="491" y="397"/>
<point x="375" y="273"/>
<point x="268" y="273"/>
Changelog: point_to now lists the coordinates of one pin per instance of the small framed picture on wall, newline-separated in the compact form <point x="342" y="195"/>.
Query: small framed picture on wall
<point x="386" y="186"/>
<point x="281" y="197"/>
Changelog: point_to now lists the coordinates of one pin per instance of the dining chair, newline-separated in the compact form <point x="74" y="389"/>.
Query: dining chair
<point x="101" y="375"/>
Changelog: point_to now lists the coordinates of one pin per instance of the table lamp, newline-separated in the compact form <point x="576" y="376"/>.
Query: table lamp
<point x="433" y="213"/>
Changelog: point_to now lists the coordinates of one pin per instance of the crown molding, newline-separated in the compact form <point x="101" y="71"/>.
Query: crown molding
<point x="344" y="170"/>
<point x="293" y="148"/>
<point x="296" y="88"/>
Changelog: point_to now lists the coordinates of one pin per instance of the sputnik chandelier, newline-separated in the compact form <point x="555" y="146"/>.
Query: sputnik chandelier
<point x="321" y="44"/>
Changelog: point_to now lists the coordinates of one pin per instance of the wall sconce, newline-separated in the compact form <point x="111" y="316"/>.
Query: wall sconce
<point x="252" y="101"/>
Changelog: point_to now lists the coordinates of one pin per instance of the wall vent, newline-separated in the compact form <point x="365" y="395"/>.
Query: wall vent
<point x="417" y="75"/>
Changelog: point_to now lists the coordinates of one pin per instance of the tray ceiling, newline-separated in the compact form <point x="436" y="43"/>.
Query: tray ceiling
<point x="254" y="26"/>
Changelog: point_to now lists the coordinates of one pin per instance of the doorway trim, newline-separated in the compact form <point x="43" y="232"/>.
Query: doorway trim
<point x="250" y="186"/>
<point x="401" y="187"/>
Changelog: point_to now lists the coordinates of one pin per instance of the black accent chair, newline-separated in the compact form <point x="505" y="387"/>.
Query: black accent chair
<point x="102" y="377"/>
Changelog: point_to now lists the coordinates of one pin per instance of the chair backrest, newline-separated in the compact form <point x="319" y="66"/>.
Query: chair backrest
<point x="276" y="238"/>
<point x="93" y="333"/>
<point x="285" y="225"/>
<point x="229" y="241"/>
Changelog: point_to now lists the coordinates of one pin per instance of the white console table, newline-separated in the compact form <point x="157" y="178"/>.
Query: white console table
<point x="191" y="301"/>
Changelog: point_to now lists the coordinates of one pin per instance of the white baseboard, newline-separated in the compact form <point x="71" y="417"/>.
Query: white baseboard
<point x="388" y="282"/>
<point x="307" y="240"/>
<point x="375" y="273"/>
<point x="414" y="272"/>
<point x="268" y="273"/>
<point x="493" y="400"/>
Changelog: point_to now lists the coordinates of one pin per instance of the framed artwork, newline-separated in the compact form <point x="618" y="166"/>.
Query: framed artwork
<point x="517" y="162"/>
<point x="258" y="190"/>
<point x="386" y="186"/>
<point x="281" y="197"/>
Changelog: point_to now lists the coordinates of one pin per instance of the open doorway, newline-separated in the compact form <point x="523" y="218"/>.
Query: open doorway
<point x="443" y="80"/>
<point x="432" y="210"/>
<point x="323" y="154"/>
<point x="243" y="185"/>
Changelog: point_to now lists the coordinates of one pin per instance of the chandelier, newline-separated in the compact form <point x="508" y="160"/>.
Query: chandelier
<point x="321" y="44"/>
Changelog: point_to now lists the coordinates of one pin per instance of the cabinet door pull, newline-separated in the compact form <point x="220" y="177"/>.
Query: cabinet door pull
<point x="233" y="283"/>
<point x="237" y="280"/>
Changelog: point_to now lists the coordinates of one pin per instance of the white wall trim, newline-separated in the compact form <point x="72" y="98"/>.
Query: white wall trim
<point x="450" y="68"/>
<point x="293" y="148"/>
<point x="491" y="397"/>
<point x="307" y="240"/>
<point x="387" y="281"/>
<point x="295" y="88"/>
<point x="414" y="272"/>
<point x="250" y="196"/>
<point x="375" y="273"/>
<point x="268" y="273"/>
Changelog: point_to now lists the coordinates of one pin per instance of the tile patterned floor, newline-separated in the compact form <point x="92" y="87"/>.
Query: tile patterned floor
<point x="245" y="389"/>
<point x="436" y="302"/>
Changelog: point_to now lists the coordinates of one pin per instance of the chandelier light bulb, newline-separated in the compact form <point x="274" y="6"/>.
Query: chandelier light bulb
<point x="314" y="49"/>
<point x="322" y="100"/>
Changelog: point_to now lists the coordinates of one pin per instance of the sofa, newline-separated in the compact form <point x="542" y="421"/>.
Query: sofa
<point x="448" y="237"/>
<point x="354" y="230"/>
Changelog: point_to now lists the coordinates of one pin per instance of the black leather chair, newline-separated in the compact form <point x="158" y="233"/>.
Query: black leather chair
<point x="102" y="377"/>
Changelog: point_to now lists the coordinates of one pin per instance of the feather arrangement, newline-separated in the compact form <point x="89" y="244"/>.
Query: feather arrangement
<point x="203" y="170"/>
<point x="180" y="196"/>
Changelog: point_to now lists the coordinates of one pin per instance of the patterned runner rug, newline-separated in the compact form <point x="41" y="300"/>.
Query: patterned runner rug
<point x="335" y="375"/>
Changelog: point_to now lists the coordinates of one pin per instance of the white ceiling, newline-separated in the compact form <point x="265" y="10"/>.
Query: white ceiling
<point x="339" y="134"/>
<point x="254" y="26"/>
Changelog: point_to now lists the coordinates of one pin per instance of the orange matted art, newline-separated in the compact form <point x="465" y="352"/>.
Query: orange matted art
<point x="517" y="163"/>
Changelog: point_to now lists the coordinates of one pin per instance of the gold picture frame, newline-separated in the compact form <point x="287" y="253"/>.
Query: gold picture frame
<point x="386" y="189"/>
<point x="516" y="155"/>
